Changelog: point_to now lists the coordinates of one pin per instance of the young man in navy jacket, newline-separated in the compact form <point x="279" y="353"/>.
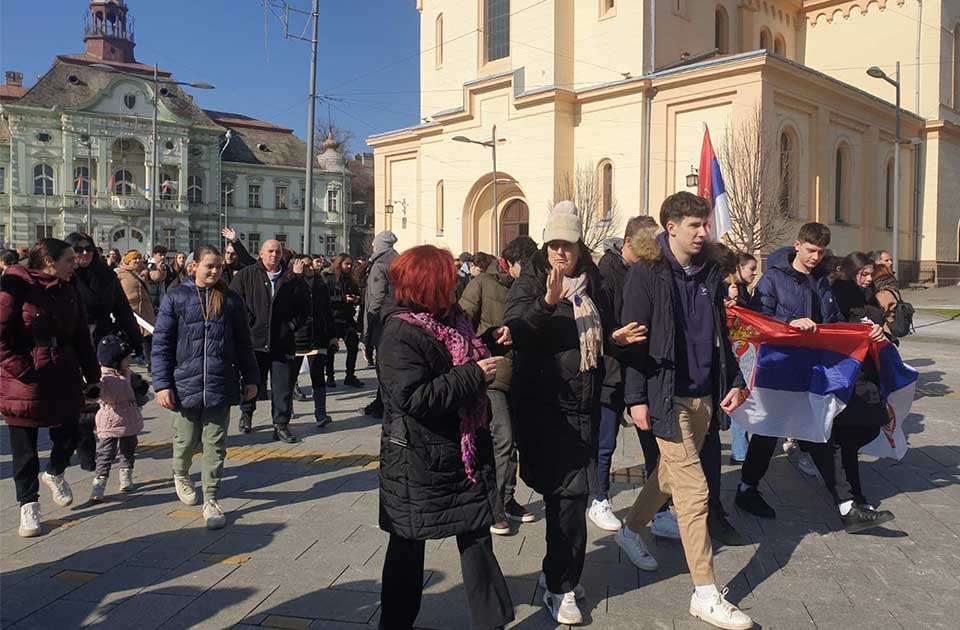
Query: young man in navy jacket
<point x="675" y="385"/>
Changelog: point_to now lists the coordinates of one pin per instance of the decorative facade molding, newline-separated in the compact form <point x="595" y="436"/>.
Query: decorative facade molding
<point x="832" y="9"/>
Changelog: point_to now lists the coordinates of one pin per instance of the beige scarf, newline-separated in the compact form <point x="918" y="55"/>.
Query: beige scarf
<point x="587" y="318"/>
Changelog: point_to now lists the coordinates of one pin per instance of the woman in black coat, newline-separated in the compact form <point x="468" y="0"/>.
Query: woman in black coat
<point x="313" y="336"/>
<point x="560" y="321"/>
<point x="861" y="420"/>
<point x="102" y="296"/>
<point x="437" y="475"/>
<point x="345" y="297"/>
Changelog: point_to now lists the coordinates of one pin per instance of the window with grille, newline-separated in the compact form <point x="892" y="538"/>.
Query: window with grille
<point x="81" y="180"/>
<point x="44" y="231"/>
<point x="280" y="197"/>
<point x="253" y="241"/>
<point x="282" y="238"/>
<point x="330" y="245"/>
<point x="333" y="198"/>
<point x="195" y="189"/>
<point x="497" y="29"/>
<point x="123" y="182"/>
<point x="3" y="183"/>
<point x="43" y="179"/>
<point x="253" y="196"/>
<point x="170" y="238"/>
<point x="194" y="239"/>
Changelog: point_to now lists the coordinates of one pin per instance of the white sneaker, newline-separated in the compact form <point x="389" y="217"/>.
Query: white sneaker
<point x="789" y="445"/>
<point x="806" y="465"/>
<point x="636" y="549"/>
<point x="213" y="515"/>
<point x="719" y="612"/>
<point x="665" y="525"/>
<point x="126" y="479"/>
<point x="601" y="513"/>
<point x="185" y="489"/>
<point x="62" y="494"/>
<point x="29" y="520"/>
<point x="578" y="591"/>
<point x="99" y="487"/>
<point x="563" y="608"/>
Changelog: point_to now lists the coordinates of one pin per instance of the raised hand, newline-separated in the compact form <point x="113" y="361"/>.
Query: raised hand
<point x="629" y="334"/>
<point x="229" y="233"/>
<point x="554" y="286"/>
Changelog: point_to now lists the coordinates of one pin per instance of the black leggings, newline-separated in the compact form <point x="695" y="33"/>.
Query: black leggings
<point x="350" y="339"/>
<point x="402" y="584"/>
<point x="839" y="464"/>
<point x="566" y="541"/>
<point x="26" y="460"/>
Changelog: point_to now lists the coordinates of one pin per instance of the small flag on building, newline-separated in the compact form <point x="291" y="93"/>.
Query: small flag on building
<point x="79" y="186"/>
<point x="711" y="187"/>
<point x="110" y="185"/>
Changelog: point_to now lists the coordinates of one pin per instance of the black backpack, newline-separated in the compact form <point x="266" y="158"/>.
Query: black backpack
<point x="902" y="324"/>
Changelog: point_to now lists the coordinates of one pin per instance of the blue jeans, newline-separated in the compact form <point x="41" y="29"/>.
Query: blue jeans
<point x="609" y="430"/>
<point x="738" y="449"/>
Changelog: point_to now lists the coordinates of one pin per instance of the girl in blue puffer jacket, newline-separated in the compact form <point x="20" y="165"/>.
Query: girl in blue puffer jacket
<point x="202" y="352"/>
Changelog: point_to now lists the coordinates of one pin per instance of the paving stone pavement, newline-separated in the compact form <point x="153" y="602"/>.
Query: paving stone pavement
<point x="302" y="548"/>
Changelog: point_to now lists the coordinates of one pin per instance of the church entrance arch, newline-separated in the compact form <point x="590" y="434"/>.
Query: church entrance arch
<point x="512" y="216"/>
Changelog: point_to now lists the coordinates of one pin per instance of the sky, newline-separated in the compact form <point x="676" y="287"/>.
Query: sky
<point x="367" y="55"/>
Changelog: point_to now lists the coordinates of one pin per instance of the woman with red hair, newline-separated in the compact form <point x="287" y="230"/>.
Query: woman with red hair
<point x="437" y="475"/>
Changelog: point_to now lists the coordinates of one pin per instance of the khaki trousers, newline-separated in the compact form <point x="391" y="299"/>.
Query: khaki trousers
<point x="680" y="474"/>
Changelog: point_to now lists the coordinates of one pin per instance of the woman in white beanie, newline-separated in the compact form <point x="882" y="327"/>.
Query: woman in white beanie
<point x="560" y="322"/>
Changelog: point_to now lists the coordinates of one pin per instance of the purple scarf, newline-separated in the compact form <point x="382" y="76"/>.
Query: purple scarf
<point x="458" y="338"/>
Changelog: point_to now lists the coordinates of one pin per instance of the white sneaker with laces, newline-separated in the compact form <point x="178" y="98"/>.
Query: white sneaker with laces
<point x="186" y="492"/>
<point x="29" y="520"/>
<point x="99" y="487"/>
<point x="717" y="611"/>
<point x="213" y="515"/>
<point x="126" y="479"/>
<point x="636" y="549"/>
<point x="563" y="608"/>
<point x="601" y="513"/>
<point x="578" y="591"/>
<point x="789" y="445"/>
<point x="806" y="465"/>
<point x="62" y="494"/>
<point x="665" y="525"/>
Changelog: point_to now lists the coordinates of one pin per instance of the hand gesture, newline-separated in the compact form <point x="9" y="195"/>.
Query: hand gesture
<point x="804" y="324"/>
<point x="640" y="414"/>
<point x="298" y="265"/>
<point x="503" y="336"/>
<point x="166" y="399"/>
<point x="876" y="333"/>
<point x="630" y="334"/>
<point x="733" y="399"/>
<point x="489" y="368"/>
<point x="554" y="286"/>
<point x="229" y="233"/>
<point x="250" y="391"/>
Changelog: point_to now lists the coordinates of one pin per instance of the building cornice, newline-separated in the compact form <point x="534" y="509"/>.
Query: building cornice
<point x="937" y="128"/>
<point x="815" y="9"/>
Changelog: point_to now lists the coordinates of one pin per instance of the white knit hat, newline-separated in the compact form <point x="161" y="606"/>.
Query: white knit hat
<point x="563" y="224"/>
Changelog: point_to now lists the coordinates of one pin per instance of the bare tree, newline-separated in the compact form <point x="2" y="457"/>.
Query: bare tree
<point x="586" y="190"/>
<point x="759" y="179"/>
<point x="343" y="137"/>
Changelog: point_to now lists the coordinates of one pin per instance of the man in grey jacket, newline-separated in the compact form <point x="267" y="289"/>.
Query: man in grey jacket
<point x="378" y="288"/>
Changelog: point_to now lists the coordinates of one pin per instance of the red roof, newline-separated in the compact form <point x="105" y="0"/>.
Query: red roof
<point x="12" y="92"/>
<point x="88" y="59"/>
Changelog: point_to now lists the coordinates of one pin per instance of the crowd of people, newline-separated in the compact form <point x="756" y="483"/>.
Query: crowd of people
<point x="529" y="363"/>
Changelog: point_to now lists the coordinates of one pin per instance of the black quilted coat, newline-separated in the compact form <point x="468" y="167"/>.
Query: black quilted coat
<point x="424" y="489"/>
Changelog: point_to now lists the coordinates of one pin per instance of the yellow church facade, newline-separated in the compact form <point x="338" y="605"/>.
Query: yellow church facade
<point x="625" y="87"/>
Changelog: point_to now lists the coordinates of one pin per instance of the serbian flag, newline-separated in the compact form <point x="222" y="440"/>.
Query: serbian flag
<point x="711" y="187"/>
<point x="799" y="382"/>
<point x="110" y="184"/>
<point x="79" y="186"/>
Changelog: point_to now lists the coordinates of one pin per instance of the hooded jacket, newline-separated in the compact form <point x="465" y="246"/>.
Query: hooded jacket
<point x="379" y="288"/>
<point x="786" y="294"/>
<point x="45" y="349"/>
<point x="651" y="297"/>
<point x="424" y="489"/>
<point x="484" y="301"/>
<point x="203" y="361"/>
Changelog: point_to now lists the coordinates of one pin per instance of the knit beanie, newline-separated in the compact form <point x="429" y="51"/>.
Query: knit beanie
<point x="563" y="224"/>
<point x="112" y="350"/>
<point x="384" y="240"/>
<point x="130" y="256"/>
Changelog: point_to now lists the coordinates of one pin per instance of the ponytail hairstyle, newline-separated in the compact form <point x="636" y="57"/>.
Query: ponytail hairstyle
<point x="219" y="290"/>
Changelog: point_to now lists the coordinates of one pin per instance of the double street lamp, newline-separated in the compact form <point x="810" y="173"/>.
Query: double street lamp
<point x="877" y="73"/>
<point x="155" y="153"/>
<point x="490" y="144"/>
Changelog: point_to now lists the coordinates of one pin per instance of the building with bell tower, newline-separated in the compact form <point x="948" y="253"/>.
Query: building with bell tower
<point x="108" y="31"/>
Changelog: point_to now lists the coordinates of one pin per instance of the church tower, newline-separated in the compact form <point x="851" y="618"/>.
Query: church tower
<point x="107" y="32"/>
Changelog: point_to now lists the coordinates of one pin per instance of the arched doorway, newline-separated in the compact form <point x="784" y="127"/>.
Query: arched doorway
<point x="126" y="237"/>
<point x="514" y="221"/>
<point x="478" y="213"/>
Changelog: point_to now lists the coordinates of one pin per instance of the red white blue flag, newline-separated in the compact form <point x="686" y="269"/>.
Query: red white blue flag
<point x="710" y="186"/>
<point x="799" y="381"/>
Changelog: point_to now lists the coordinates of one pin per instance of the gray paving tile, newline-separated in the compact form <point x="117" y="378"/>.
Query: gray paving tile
<point x="143" y="612"/>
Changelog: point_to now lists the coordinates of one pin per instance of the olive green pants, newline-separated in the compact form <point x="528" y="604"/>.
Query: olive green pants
<point x="192" y="427"/>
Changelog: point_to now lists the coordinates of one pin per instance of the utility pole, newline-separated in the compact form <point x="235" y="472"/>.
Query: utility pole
<point x="89" y="179"/>
<point x="154" y="175"/>
<point x="311" y="113"/>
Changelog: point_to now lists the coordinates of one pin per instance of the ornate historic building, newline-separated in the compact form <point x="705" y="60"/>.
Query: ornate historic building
<point x="76" y="148"/>
<point x="625" y="86"/>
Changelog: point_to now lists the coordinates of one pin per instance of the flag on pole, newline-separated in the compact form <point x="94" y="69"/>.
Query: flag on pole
<point x="799" y="382"/>
<point x="110" y="184"/>
<point x="79" y="186"/>
<point x="711" y="187"/>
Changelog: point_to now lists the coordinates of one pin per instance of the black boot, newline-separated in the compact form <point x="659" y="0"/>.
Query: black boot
<point x="749" y="500"/>
<point x="861" y="517"/>
<point x="331" y="382"/>
<point x="246" y="422"/>
<point x="374" y="409"/>
<point x="722" y="531"/>
<point x="352" y="381"/>
<point x="282" y="432"/>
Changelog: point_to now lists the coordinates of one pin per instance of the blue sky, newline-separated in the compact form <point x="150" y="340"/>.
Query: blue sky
<point x="367" y="55"/>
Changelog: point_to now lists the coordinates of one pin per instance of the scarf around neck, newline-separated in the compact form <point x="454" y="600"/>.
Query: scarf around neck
<point x="587" y="318"/>
<point x="457" y="336"/>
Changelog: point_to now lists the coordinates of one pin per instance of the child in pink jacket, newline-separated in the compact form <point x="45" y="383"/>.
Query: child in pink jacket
<point x="119" y="420"/>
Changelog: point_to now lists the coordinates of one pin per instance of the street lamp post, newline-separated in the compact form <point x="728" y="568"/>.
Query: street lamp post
<point x="492" y="144"/>
<point x="877" y="73"/>
<point x="155" y="152"/>
<point x="222" y="216"/>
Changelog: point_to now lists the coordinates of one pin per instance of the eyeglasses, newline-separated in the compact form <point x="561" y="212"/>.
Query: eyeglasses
<point x="84" y="249"/>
